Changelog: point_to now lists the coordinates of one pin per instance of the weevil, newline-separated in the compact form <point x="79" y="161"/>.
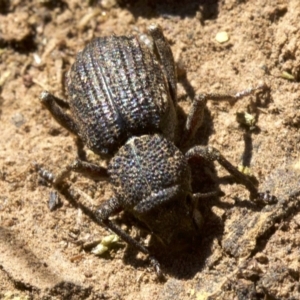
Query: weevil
<point x="123" y="102"/>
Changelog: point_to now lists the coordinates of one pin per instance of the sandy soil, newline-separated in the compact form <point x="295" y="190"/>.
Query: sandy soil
<point x="245" y="251"/>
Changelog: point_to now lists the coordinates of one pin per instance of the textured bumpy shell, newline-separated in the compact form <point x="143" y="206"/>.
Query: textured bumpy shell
<point x="117" y="89"/>
<point x="146" y="166"/>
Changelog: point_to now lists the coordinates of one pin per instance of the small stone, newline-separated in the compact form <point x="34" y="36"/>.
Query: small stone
<point x="18" y="119"/>
<point x="222" y="37"/>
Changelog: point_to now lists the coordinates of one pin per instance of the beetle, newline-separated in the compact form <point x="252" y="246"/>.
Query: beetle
<point x="122" y="99"/>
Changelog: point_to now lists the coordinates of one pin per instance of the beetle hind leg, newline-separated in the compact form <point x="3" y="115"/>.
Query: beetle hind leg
<point x="87" y="169"/>
<point x="195" y="116"/>
<point x="55" y="105"/>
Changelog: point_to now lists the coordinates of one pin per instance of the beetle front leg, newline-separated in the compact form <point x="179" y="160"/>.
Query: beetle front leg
<point x="195" y="116"/>
<point x="101" y="217"/>
<point x="211" y="154"/>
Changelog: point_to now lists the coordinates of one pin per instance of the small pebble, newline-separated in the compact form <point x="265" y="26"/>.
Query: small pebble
<point x="222" y="37"/>
<point x="18" y="119"/>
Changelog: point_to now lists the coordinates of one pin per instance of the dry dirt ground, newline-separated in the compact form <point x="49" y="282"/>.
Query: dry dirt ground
<point x="245" y="251"/>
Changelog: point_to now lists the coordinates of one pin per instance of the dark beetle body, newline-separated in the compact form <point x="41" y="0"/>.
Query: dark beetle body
<point x="122" y="97"/>
<point x="118" y="89"/>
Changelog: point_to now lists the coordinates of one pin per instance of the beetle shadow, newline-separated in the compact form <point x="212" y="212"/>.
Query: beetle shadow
<point x="209" y="9"/>
<point x="182" y="261"/>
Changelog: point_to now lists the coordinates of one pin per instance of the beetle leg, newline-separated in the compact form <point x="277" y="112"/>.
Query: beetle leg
<point x="129" y="240"/>
<point x="90" y="170"/>
<point x="55" y="105"/>
<point x="211" y="154"/>
<point x="101" y="217"/>
<point x="195" y="116"/>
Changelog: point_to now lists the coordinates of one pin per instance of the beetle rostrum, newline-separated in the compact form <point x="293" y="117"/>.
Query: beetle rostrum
<point x="122" y="101"/>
